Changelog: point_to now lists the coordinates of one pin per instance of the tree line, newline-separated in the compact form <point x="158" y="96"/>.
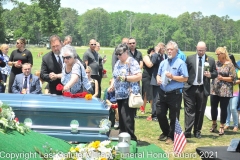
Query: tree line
<point x="36" y="22"/>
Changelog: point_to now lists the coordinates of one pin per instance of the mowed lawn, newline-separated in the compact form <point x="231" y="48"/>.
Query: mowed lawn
<point x="149" y="131"/>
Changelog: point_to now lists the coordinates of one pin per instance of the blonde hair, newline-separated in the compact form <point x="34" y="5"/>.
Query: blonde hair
<point x="223" y="50"/>
<point x="3" y="46"/>
<point x="89" y="68"/>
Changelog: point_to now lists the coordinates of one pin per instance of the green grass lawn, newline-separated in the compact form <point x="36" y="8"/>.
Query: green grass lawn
<point x="149" y="131"/>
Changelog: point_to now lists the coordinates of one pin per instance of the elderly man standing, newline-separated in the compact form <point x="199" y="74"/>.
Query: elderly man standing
<point x="201" y="68"/>
<point x="26" y="82"/>
<point x="172" y="74"/>
<point x="52" y="65"/>
<point x="91" y="59"/>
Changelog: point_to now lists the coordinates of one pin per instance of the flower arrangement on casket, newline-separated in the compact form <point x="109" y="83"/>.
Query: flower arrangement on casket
<point x="95" y="150"/>
<point x="9" y="121"/>
<point x="85" y="95"/>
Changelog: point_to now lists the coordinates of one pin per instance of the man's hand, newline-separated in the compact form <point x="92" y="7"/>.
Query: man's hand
<point x="207" y="74"/>
<point x="169" y="75"/>
<point x="159" y="80"/>
<point x="220" y="77"/>
<point x="53" y="76"/>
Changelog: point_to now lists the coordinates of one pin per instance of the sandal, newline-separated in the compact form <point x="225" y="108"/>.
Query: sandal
<point x="226" y="127"/>
<point x="235" y="129"/>
<point x="221" y="131"/>
<point x="214" y="127"/>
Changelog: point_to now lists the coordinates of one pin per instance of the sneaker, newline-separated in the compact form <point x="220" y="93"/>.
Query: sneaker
<point x="169" y="141"/>
<point x="162" y="137"/>
<point x="116" y="125"/>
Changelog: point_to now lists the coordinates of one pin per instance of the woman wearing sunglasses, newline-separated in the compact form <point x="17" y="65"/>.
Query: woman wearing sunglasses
<point x="126" y="75"/>
<point x="73" y="75"/>
<point x="18" y="57"/>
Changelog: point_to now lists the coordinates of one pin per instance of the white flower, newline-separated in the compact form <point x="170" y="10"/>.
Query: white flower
<point x="123" y="71"/>
<point x="206" y="64"/>
<point x="105" y="143"/>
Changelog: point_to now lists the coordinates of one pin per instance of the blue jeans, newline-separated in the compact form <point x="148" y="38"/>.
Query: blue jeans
<point x="232" y="109"/>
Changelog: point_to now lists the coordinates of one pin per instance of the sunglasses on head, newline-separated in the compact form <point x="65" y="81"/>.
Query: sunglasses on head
<point x="131" y="43"/>
<point x="67" y="57"/>
<point x="93" y="44"/>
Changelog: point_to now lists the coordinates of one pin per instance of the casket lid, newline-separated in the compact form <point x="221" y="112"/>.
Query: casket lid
<point x="44" y="102"/>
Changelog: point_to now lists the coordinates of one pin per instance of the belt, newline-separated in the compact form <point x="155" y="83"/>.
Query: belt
<point x="198" y="85"/>
<point x="172" y="91"/>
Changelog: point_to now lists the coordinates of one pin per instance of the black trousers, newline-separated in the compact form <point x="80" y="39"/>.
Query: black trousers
<point x="11" y="81"/>
<point x="97" y="77"/>
<point x="154" y="100"/>
<point x="194" y="108"/>
<point x="223" y="106"/>
<point x="2" y="87"/>
<point x="126" y="118"/>
<point x="172" y="102"/>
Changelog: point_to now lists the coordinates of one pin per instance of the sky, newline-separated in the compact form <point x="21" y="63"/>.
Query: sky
<point x="172" y="8"/>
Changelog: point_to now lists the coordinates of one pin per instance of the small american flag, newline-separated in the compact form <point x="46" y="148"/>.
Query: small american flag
<point x="179" y="139"/>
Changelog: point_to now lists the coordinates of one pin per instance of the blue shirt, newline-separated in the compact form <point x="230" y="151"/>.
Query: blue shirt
<point x="121" y="87"/>
<point x="181" y="55"/>
<point x="176" y="67"/>
<point x="111" y="97"/>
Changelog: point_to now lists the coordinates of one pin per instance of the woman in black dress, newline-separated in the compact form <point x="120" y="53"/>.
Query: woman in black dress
<point x="146" y="78"/>
<point x="18" y="57"/>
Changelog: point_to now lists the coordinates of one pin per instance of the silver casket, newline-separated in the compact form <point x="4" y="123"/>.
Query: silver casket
<point x="70" y="119"/>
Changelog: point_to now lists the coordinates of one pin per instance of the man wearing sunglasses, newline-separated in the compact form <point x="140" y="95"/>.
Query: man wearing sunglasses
<point x="133" y="52"/>
<point x="91" y="58"/>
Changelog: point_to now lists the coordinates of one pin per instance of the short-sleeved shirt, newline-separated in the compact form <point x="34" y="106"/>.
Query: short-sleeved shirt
<point x="121" y="87"/>
<point x="223" y="88"/>
<point x="176" y="67"/>
<point x="7" y="69"/>
<point x="137" y="55"/>
<point x="80" y="71"/>
<point x="25" y="56"/>
<point x="93" y="61"/>
<point x="111" y="97"/>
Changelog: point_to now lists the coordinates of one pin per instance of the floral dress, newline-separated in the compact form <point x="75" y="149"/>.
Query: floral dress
<point x="80" y="71"/>
<point x="223" y="88"/>
<point x="121" y="87"/>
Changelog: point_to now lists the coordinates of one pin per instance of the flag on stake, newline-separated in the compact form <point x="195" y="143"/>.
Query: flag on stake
<point x="179" y="139"/>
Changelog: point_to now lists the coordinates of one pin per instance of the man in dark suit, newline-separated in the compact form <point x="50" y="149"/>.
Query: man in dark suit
<point x="52" y="65"/>
<point x="201" y="68"/>
<point x="26" y="83"/>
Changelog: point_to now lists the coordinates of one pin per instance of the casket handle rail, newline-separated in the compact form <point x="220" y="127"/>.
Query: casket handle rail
<point x="101" y="130"/>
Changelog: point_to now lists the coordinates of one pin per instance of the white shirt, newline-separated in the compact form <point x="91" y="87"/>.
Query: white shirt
<point x="197" y="61"/>
<point x="56" y="56"/>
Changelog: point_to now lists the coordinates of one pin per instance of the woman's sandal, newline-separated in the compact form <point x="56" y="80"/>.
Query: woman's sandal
<point x="221" y="131"/>
<point x="214" y="128"/>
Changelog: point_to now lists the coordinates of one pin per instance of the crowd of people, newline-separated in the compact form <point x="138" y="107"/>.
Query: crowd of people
<point x="165" y="74"/>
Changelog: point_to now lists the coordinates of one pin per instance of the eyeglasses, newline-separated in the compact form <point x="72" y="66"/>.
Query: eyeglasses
<point x="119" y="54"/>
<point x="131" y="43"/>
<point x="87" y="72"/>
<point x="67" y="57"/>
<point x="93" y="44"/>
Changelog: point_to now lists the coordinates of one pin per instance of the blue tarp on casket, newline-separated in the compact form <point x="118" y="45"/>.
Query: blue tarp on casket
<point x="52" y="115"/>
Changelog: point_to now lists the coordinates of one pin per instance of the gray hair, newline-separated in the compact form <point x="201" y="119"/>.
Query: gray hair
<point x="174" y="44"/>
<point x="70" y="50"/>
<point x="121" y="48"/>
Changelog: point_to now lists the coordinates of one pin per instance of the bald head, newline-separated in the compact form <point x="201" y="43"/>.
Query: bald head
<point x="201" y="48"/>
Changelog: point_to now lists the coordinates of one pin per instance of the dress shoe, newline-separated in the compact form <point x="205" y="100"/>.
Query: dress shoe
<point x="169" y="141"/>
<point x="187" y="135"/>
<point x="198" y="135"/>
<point x="155" y="119"/>
<point x="162" y="137"/>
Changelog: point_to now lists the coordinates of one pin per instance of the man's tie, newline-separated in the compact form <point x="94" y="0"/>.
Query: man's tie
<point x="59" y="62"/>
<point x="199" y="77"/>
<point x="161" y="57"/>
<point x="25" y="83"/>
